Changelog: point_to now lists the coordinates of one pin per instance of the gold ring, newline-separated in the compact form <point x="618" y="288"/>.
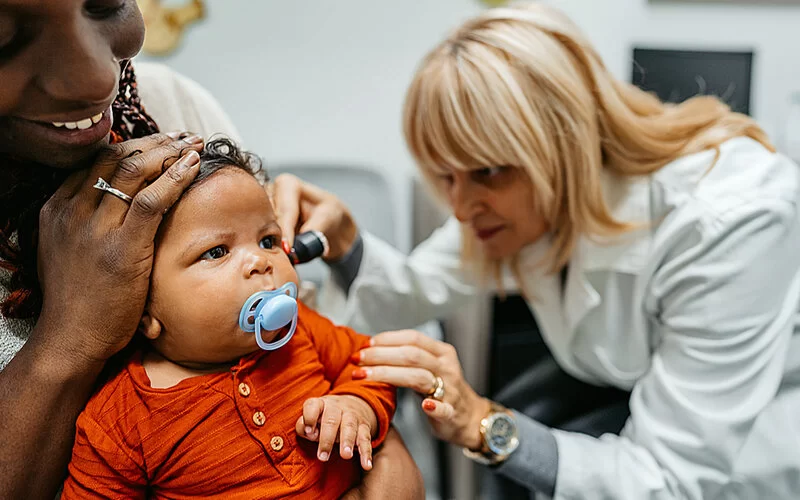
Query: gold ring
<point x="437" y="392"/>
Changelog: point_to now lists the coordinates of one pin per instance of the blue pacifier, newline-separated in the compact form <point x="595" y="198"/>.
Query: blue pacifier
<point x="269" y="311"/>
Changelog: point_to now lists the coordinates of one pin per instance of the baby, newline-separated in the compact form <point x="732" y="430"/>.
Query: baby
<point x="206" y="407"/>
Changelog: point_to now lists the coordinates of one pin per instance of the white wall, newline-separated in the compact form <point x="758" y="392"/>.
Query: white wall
<point x="772" y="31"/>
<point x="319" y="80"/>
<point x="309" y="80"/>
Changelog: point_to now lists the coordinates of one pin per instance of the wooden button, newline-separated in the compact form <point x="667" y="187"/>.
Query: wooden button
<point x="259" y="418"/>
<point x="277" y="443"/>
<point x="244" y="390"/>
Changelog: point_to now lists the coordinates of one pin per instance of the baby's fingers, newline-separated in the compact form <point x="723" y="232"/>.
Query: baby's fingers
<point x="328" y="431"/>
<point x="300" y="427"/>
<point x="365" y="446"/>
<point x="347" y="435"/>
<point x="312" y="411"/>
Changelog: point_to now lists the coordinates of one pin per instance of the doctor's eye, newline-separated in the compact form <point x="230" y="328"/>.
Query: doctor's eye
<point x="489" y="172"/>
<point x="215" y="253"/>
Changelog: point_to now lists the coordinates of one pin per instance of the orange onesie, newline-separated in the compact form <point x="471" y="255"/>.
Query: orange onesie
<point x="226" y="435"/>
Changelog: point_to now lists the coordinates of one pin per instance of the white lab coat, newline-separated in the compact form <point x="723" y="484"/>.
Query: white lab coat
<point x="696" y="313"/>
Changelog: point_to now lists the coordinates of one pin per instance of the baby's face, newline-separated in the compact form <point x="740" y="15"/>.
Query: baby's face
<point x="219" y="245"/>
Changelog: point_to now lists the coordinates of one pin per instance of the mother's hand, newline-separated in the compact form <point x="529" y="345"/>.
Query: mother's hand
<point x="96" y="250"/>
<point x="409" y="359"/>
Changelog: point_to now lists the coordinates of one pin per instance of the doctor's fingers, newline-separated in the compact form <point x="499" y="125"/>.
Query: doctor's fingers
<point x="295" y="201"/>
<point x="412" y="337"/>
<point x="409" y="356"/>
<point x="438" y="410"/>
<point x="416" y="379"/>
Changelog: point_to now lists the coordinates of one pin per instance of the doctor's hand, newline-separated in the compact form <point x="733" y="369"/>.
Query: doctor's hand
<point x="409" y="359"/>
<point x="302" y="207"/>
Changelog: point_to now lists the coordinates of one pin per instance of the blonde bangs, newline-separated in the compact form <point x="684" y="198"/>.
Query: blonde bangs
<point x="464" y="113"/>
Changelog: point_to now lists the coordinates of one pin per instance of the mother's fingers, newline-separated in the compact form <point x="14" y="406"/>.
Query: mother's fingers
<point x="135" y="172"/>
<point x="109" y="158"/>
<point x="402" y="355"/>
<point x="151" y="203"/>
<point x="416" y="379"/>
<point x="411" y="337"/>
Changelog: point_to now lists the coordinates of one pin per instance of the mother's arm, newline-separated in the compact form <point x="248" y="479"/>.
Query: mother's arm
<point x="42" y="391"/>
<point x="393" y="472"/>
<point x="94" y="268"/>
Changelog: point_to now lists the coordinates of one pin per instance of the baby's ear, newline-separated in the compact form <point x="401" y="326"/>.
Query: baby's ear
<point x="149" y="326"/>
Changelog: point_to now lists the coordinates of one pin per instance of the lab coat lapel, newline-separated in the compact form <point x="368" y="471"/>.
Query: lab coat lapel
<point x="629" y="202"/>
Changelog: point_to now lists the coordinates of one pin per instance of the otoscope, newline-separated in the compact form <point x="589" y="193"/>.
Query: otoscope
<point x="307" y="247"/>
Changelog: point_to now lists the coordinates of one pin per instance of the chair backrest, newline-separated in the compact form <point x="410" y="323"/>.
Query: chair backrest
<point x="365" y="191"/>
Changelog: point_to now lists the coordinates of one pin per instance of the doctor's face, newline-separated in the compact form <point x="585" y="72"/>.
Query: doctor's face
<point x="497" y="204"/>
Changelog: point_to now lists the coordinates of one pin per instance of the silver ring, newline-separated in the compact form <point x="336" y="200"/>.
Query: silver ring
<point x="437" y="392"/>
<point x="102" y="185"/>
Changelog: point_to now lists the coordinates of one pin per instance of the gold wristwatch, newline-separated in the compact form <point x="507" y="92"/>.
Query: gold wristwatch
<point x="499" y="437"/>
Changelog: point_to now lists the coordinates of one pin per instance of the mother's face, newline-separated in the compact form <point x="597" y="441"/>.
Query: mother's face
<point x="59" y="73"/>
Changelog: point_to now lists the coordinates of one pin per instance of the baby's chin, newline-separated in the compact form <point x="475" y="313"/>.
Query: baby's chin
<point x="228" y="354"/>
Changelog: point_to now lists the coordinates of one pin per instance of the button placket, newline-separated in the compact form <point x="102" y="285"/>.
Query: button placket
<point x="271" y="437"/>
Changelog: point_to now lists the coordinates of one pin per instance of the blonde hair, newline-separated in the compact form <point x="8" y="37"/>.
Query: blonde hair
<point x="521" y="86"/>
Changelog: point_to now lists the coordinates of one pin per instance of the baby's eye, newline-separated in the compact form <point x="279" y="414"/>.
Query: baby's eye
<point x="269" y="242"/>
<point x="215" y="253"/>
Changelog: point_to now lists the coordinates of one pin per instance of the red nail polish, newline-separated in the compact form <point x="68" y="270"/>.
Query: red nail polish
<point x="359" y="374"/>
<point x="355" y="358"/>
<point x="428" y="405"/>
<point x="286" y="248"/>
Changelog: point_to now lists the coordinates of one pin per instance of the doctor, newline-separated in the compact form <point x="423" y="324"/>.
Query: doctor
<point x="658" y="246"/>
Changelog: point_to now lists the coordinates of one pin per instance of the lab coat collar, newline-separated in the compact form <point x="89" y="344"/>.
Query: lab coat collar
<point x="629" y="201"/>
<point x="561" y="312"/>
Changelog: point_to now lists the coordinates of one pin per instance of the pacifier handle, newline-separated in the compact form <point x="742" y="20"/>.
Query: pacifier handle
<point x="272" y="346"/>
<point x="274" y="310"/>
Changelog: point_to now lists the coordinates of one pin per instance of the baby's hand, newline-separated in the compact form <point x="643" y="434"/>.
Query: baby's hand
<point x="346" y="419"/>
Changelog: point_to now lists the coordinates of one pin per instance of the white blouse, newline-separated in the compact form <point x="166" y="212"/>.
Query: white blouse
<point x="696" y="313"/>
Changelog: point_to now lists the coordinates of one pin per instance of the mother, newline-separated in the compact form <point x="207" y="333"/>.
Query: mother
<point x="658" y="246"/>
<point x="74" y="265"/>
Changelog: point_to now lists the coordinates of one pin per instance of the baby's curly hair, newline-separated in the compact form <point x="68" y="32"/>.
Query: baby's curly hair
<point x="221" y="153"/>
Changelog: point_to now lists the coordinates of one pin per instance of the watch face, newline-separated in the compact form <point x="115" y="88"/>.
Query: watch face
<point x="501" y="434"/>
